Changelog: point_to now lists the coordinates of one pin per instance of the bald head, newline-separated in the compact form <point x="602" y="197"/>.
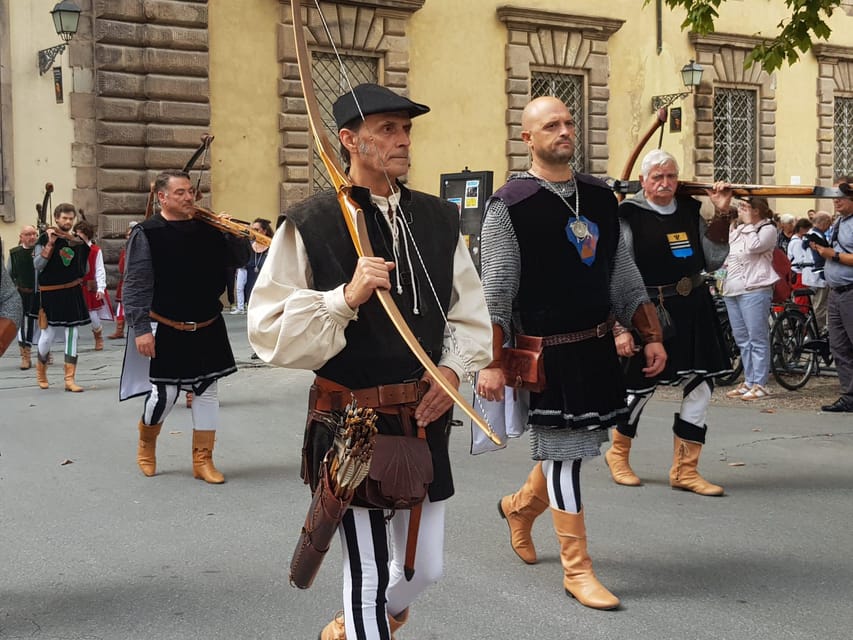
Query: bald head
<point x="549" y="132"/>
<point x="28" y="236"/>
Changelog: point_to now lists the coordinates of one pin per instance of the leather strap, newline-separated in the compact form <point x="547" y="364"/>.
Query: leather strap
<point x="598" y="331"/>
<point x="25" y="290"/>
<point x="181" y="326"/>
<point x="57" y="287"/>
<point x="683" y="287"/>
<point x="332" y="396"/>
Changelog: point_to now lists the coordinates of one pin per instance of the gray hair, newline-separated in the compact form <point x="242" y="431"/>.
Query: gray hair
<point x="657" y="158"/>
<point x="787" y="218"/>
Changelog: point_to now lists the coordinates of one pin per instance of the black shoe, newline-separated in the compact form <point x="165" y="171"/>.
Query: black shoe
<point x="839" y="406"/>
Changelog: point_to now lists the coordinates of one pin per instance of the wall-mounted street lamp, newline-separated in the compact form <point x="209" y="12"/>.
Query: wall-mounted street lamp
<point x="691" y="76"/>
<point x="66" y="18"/>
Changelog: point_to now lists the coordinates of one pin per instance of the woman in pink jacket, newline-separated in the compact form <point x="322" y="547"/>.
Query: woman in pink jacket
<point x="748" y="290"/>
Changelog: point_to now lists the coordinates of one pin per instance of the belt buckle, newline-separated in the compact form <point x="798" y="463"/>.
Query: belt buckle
<point x="601" y="329"/>
<point x="194" y="326"/>
<point x="684" y="286"/>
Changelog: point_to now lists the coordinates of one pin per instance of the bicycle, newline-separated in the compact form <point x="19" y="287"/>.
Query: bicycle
<point x="732" y="349"/>
<point x="797" y="348"/>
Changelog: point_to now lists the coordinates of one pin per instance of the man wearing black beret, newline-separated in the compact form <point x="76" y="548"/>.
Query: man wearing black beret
<point x="313" y="308"/>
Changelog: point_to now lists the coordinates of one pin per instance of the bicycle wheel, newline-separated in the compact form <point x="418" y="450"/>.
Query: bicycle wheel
<point x="790" y="364"/>
<point x="728" y="379"/>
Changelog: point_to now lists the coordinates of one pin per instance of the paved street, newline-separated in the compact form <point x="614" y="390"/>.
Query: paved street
<point x="93" y="550"/>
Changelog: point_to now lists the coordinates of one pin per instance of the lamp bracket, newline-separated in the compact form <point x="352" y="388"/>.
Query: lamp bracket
<point x="659" y="102"/>
<point x="48" y="56"/>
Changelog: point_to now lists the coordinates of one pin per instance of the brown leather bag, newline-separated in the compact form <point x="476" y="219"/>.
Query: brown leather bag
<point x="400" y="473"/>
<point x="523" y="365"/>
<point x="42" y="319"/>
<point x="8" y="331"/>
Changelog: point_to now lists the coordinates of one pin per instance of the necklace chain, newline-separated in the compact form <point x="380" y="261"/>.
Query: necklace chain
<point x="578" y="227"/>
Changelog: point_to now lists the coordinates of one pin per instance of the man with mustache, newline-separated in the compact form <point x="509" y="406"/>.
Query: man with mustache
<point x="60" y="261"/>
<point x="313" y="307"/>
<point x="672" y="245"/>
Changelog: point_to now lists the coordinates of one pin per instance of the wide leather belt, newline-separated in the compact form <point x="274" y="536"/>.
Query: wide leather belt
<point x="843" y="288"/>
<point x="331" y="396"/>
<point x="57" y="287"/>
<point x="181" y="326"/>
<point x="684" y="287"/>
<point x="598" y="331"/>
<point x="25" y="290"/>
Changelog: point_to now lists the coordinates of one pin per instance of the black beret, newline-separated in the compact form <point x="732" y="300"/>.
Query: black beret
<point x="372" y="98"/>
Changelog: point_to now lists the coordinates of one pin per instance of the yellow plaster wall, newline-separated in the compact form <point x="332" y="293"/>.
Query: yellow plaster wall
<point x="245" y="105"/>
<point x="43" y="130"/>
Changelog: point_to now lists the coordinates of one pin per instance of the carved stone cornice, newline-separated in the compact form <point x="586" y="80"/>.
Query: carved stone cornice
<point x="526" y="19"/>
<point x="406" y="6"/>
<point x="825" y="52"/>
<point x="718" y="40"/>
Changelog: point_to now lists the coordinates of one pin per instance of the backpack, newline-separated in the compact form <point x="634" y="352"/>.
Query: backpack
<point x="784" y="286"/>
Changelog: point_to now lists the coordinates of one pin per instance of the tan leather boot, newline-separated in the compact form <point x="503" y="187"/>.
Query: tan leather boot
<point x="335" y="630"/>
<point x="520" y="510"/>
<point x="396" y="622"/>
<point x="70" y="372"/>
<point x="203" y="457"/>
<point x="578" y="578"/>
<point x="99" y="338"/>
<point x="41" y="372"/>
<point x="119" y="332"/>
<point x="26" y="358"/>
<point x="616" y="458"/>
<point x="146" y="451"/>
<point x="684" y="475"/>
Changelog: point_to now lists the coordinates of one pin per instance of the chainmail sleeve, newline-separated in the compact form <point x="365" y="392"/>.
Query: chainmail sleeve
<point x="627" y="291"/>
<point x="501" y="264"/>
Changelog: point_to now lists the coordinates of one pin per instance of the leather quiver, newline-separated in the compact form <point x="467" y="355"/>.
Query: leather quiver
<point x="321" y="524"/>
<point x="8" y="330"/>
<point x="645" y="322"/>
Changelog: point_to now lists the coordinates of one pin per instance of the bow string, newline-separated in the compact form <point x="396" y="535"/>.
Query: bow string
<point x="354" y="216"/>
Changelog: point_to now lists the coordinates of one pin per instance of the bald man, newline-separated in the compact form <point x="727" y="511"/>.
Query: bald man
<point x="23" y="272"/>
<point x="554" y="265"/>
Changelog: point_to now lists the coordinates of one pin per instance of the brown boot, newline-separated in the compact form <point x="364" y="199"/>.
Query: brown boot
<point x="203" y="457"/>
<point x="146" y="451"/>
<point x="578" y="578"/>
<point x="119" y="332"/>
<point x="617" y="460"/>
<point x="335" y="630"/>
<point x="26" y="358"/>
<point x="99" y="338"/>
<point x="70" y="372"/>
<point x="684" y="475"/>
<point x="396" y="622"/>
<point x="41" y="371"/>
<point x="520" y="510"/>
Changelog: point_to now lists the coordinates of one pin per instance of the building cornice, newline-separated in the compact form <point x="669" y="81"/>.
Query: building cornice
<point x="526" y="19"/>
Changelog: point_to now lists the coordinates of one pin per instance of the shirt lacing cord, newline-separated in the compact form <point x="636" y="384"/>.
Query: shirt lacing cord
<point x="393" y="214"/>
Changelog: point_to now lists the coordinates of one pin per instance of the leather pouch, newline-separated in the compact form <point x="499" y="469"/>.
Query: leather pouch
<point x="42" y="320"/>
<point x="400" y="473"/>
<point x="524" y="365"/>
<point x="8" y="331"/>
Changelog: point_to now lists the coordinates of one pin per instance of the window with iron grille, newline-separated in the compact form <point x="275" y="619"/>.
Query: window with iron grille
<point x="842" y="146"/>
<point x="331" y="82"/>
<point x="569" y="88"/>
<point x="735" y="135"/>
